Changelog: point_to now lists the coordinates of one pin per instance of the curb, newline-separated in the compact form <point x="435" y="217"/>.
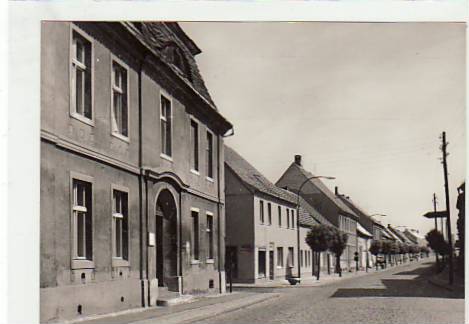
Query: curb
<point x="439" y="284"/>
<point x="320" y="283"/>
<point x="200" y="314"/>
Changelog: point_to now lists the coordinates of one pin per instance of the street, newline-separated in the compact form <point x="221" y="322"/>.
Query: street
<point x="399" y="295"/>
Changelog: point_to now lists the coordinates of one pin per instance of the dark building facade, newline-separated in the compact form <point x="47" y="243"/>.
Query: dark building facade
<point x="132" y="178"/>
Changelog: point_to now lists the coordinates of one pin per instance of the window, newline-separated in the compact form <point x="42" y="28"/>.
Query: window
<point x="291" y="257"/>
<point x="292" y="218"/>
<point x="82" y="222"/>
<point x="165" y="118"/>
<point x="195" y="234"/>
<point x="288" y="218"/>
<point x="81" y="87"/>
<point x="120" y="224"/>
<point x="261" y="264"/>
<point x="269" y="213"/>
<point x="279" y="216"/>
<point x="119" y="100"/>
<point x="279" y="256"/>
<point x="209" y="155"/>
<point x="194" y="145"/>
<point x="210" y="235"/>
<point x="261" y="211"/>
<point x="301" y="258"/>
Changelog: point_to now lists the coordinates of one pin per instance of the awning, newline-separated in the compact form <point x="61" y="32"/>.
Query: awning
<point x="361" y="230"/>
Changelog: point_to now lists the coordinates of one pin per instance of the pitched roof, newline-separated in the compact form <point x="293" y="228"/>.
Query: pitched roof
<point x="313" y="216"/>
<point x="357" y="209"/>
<point x="158" y="35"/>
<point x="326" y="191"/>
<point x="253" y="179"/>
<point x="415" y="237"/>
<point x="361" y="230"/>
<point x="402" y="237"/>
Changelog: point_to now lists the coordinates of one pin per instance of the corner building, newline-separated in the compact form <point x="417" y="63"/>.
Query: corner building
<point x="132" y="200"/>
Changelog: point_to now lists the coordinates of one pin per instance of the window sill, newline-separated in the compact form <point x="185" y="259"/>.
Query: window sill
<point x="120" y="136"/>
<point x="194" y="262"/>
<point x="117" y="262"/>
<point x="195" y="172"/>
<point x="82" y="264"/>
<point x="166" y="157"/>
<point x="279" y="267"/>
<point x="83" y="119"/>
<point x="209" y="179"/>
<point x="210" y="261"/>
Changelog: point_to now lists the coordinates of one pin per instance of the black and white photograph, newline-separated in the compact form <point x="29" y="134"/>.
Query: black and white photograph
<point x="247" y="171"/>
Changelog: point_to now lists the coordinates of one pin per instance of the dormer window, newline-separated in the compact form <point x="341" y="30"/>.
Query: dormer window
<point x="175" y="57"/>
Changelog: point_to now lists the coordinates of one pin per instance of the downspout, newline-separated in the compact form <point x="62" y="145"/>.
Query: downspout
<point x="219" y="161"/>
<point x="140" y="184"/>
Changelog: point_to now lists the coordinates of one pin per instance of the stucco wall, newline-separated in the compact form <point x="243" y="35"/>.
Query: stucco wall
<point x="181" y="144"/>
<point x="239" y="225"/>
<point x="55" y="94"/>
<point x="71" y="145"/>
<point x="270" y="237"/>
<point x="56" y="241"/>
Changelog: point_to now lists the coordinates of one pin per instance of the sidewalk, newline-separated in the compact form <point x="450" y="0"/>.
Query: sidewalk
<point x="198" y="308"/>
<point x="441" y="280"/>
<point x="324" y="279"/>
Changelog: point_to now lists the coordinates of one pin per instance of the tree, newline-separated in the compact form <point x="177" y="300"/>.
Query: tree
<point x="375" y="249"/>
<point x="438" y="244"/>
<point x="337" y="245"/>
<point x="394" y="250"/>
<point x="318" y="240"/>
<point x="414" y="249"/>
<point x="403" y="249"/>
<point x="386" y="250"/>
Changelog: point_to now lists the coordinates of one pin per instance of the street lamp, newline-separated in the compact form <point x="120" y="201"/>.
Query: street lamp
<point x="382" y="215"/>
<point x="298" y="216"/>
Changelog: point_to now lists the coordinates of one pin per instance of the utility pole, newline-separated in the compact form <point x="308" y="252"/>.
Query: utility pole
<point x="436" y="228"/>
<point x="448" y="219"/>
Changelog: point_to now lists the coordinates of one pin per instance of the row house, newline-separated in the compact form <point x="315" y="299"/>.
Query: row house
<point x="132" y="177"/>
<point x="364" y="233"/>
<point x="326" y="202"/>
<point x="264" y="238"/>
<point x="415" y="237"/>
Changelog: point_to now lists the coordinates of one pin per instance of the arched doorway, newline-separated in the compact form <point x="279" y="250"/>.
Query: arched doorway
<point x="166" y="239"/>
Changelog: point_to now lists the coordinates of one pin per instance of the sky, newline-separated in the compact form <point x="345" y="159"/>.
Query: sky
<point x="363" y="102"/>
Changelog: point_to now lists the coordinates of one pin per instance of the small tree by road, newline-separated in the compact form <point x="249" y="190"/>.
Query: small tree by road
<point x="318" y="239"/>
<point x="337" y="246"/>
<point x="386" y="250"/>
<point x="394" y="251"/>
<point x="375" y="249"/>
<point x="437" y="242"/>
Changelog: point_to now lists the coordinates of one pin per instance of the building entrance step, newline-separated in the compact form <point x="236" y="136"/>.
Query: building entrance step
<point x="169" y="298"/>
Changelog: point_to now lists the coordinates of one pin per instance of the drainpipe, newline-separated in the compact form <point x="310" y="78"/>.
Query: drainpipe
<point x="219" y="160"/>
<point x="142" y="240"/>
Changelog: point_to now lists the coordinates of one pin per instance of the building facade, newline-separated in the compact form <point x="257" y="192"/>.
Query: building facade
<point x="132" y="178"/>
<point x="326" y="202"/>
<point x="262" y="229"/>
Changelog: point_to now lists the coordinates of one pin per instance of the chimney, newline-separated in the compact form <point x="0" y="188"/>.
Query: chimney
<point x="336" y="189"/>
<point x="298" y="159"/>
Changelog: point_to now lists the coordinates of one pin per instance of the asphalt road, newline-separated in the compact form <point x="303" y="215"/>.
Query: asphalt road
<point x="400" y="295"/>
